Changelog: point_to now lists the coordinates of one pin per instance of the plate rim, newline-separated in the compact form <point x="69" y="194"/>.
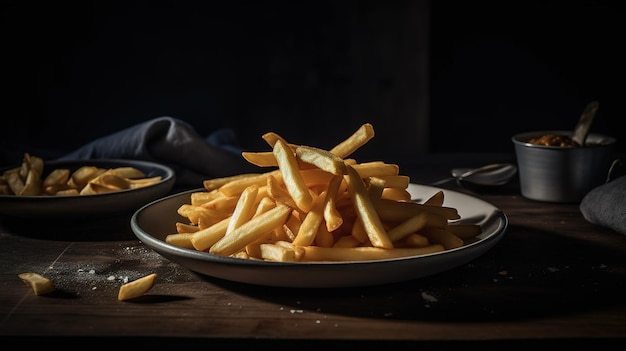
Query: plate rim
<point x="14" y="205"/>
<point x="201" y="257"/>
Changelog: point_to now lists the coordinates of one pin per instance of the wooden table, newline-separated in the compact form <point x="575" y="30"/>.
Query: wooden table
<point x="553" y="279"/>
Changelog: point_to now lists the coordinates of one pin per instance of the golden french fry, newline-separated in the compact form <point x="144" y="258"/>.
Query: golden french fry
<point x="213" y="184"/>
<point x="236" y="186"/>
<point x="436" y="199"/>
<point x="136" y="288"/>
<point x="395" y="211"/>
<point x="292" y="178"/>
<point x="322" y="159"/>
<point x="94" y="189"/>
<point x="332" y="216"/>
<point x="347" y="241"/>
<point x="442" y="236"/>
<point x="222" y="203"/>
<point x="128" y="172"/>
<point x="365" y="210"/>
<point x="32" y="185"/>
<point x="82" y="176"/>
<point x="186" y="228"/>
<point x="274" y="252"/>
<point x="354" y="142"/>
<point x="271" y="138"/>
<point x="111" y="180"/>
<point x="205" y="238"/>
<point x="376" y="169"/>
<point x="68" y="192"/>
<point x="415" y="224"/>
<point x="395" y="181"/>
<point x="58" y="176"/>
<point x="261" y="159"/>
<point x="200" y="197"/>
<point x="396" y="194"/>
<point x="311" y="222"/>
<point x="35" y="163"/>
<point x="415" y="240"/>
<point x="244" y="208"/>
<point x="180" y="240"/>
<point x="279" y="194"/>
<point x="142" y="182"/>
<point x="15" y="182"/>
<point x="248" y="232"/>
<point x="40" y="284"/>
<point x="316" y="253"/>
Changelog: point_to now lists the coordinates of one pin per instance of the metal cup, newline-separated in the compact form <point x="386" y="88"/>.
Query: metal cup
<point x="562" y="174"/>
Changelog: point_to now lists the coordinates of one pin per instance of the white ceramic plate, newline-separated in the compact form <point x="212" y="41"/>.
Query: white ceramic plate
<point x="153" y="222"/>
<point x="90" y="206"/>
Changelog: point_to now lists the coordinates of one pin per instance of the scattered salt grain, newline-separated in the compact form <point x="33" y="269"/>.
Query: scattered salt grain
<point x="428" y="297"/>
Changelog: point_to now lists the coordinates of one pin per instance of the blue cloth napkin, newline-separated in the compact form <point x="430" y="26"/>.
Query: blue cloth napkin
<point x="605" y="205"/>
<point x="175" y="143"/>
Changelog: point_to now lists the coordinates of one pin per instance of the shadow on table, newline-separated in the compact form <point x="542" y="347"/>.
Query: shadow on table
<point x="522" y="277"/>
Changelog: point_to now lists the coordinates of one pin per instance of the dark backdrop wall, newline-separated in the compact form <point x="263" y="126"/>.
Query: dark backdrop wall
<point x="504" y="67"/>
<point x="433" y="76"/>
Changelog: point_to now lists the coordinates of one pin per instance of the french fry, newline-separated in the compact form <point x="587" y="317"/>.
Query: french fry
<point x="354" y="142"/>
<point x="442" y="236"/>
<point x="180" y="240"/>
<point x="205" y="238"/>
<point x="292" y="178"/>
<point x="136" y="288"/>
<point x="245" y="234"/>
<point x="436" y="199"/>
<point x="32" y="185"/>
<point x="244" y="208"/>
<point x="376" y="169"/>
<point x="236" y="186"/>
<point x="58" y="176"/>
<point x="261" y="159"/>
<point x="311" y="222"/>
<point x="213" y="184"/>
<point x="332" y="216"/>
<point x="316" y="253"/>
<point x="322" y="159"/>
<point x="40" y="284"/>
<point x="80" y="177"/>
<point x="415" y="224"/>
<point x="128" y="172"/>
<point x="395" y="211"/>
<point x="365" y="210"/>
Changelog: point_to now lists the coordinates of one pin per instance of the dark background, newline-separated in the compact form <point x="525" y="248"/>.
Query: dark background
<point x="76" y="71"/>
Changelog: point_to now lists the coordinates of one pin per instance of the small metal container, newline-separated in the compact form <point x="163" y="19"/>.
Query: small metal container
<point x="562" y="174"/>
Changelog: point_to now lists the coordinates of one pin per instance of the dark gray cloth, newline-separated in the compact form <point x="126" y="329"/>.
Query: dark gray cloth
<point x="606" y="205"/>
<point x="175" y="143"/>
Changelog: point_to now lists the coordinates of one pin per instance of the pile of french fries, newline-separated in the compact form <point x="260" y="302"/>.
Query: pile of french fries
<point x="317" y="205"/>
<point x="26" y="180"/>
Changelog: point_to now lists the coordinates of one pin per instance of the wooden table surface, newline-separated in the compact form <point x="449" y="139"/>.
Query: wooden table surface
<point x="553" y="278"/>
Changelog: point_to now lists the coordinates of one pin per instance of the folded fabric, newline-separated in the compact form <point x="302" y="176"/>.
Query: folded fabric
<point x="606" y="205"/>
<point x="175" y="143"/>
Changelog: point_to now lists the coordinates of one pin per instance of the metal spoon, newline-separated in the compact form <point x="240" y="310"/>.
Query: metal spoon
<point x="584" y="123"/>
<point x="491" y="174"/>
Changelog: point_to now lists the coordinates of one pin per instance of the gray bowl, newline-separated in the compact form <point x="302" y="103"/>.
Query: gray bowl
<point x="562" y="174"/>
